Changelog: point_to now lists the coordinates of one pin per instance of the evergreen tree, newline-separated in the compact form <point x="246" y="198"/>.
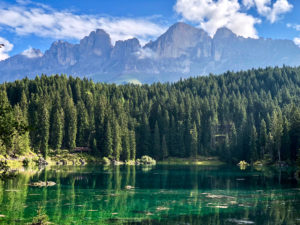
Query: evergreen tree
<point x="44" y="126"/>
<point x="269" y="147"/>
<point x="70" y="124"/>
<point x="164" y="148"/>
<point x="227" y="149"/>
<point x="132" y="145"/>
<point x="100" y="123"/>
<point x="295" y="132"/>
<point x="262" y="138"/>
<point x="285" y="140"/>
<point x="82" y="138"/>
<point x="20" y="140"/>
<point x="126" y="147"/>
<point x="253" y="145"/>
<point x="108" y="141"/>
<point x="56" y="127"/>
<point x="180" y="139"/>
<point x="233" y="141"/>
<point x="276" y="130"/>
<point x="156" y="142"/>
<point x="94" y="146"/>
<point x="145" y="137"/>
<point x="33" y="120"/>
<point x="24" y="106"/>
<point x="188" y="138"/>
<point x="7" y="121"/>
<point x="194" y="141"/>
<point x="117" y="142"/>
<point x="227" y="110"/>
<point x="173" y="147"/>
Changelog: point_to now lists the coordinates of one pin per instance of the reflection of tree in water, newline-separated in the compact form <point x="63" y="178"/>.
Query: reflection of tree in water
<point x="13" y="196"/>
<point x="160" y="196"/>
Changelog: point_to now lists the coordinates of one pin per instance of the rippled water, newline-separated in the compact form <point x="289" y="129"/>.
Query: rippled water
<point x="153" y="195"/>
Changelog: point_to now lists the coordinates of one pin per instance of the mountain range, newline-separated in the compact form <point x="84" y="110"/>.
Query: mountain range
<point x="182" y="51"/>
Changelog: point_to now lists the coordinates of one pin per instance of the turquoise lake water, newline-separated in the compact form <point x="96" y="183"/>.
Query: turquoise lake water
<point x="153" y="195"/>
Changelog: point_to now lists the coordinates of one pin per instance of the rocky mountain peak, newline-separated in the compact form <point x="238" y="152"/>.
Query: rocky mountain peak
<point x="223" y="33"/>
<point x="126" y="48"/>
<point x="182" y="51"/>
<point x="132" y="43"/>
<point x="58" y="47"/>
<point x="60" y="52"/>
<point x="180" y="26"/>
<point x="177" y="40"/>
<point x="98" y="43"/>
<point x="59" y="44"/>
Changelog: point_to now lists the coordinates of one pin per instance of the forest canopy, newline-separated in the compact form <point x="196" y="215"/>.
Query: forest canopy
<point x="250" y="115"/>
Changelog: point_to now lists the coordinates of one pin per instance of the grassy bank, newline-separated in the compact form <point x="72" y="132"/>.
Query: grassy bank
<point x="16" y="163"/>
<point x="203" y="161"/>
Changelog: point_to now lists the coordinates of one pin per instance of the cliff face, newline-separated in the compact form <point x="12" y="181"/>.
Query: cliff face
<point x="180" y="52"/>
<point x="182" y="40"/>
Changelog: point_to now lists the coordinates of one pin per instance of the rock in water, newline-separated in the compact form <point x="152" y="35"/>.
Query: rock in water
<point x="42" y="162"/>
<point x="43" y="184"/>
<point x="128" y="187"/>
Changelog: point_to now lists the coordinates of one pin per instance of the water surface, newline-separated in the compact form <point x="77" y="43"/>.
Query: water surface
<point x="161" y="195"/>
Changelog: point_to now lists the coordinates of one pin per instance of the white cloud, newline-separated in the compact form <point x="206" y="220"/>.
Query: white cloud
<point x="280" y="7"/>
<point x="297" y="28"/>
<point x="32" y="53"/>
<point x="5" y="49"/>
<point x="271" y="11"/>
<point x="123" y="29"/>
<point x="43" y="21"/>
<point x="248" y="3"/>
<point x="297" y="41"/>
<point x="294" y="26"/>
<point x="211" y="15"/>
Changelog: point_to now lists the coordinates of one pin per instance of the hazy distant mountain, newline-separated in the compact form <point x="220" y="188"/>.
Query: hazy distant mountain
<point x="182" y="51"/>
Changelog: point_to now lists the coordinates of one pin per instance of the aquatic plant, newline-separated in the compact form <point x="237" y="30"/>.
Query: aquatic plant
<point x="41" y="218"/>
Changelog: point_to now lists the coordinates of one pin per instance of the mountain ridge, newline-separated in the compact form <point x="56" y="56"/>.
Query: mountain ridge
<point x="182" y="51"/>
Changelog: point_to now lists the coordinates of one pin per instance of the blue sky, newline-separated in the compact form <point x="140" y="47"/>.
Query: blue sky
<point x="26" y="24"/>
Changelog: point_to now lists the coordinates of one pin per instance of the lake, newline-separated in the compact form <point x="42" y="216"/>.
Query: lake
<point x="153" y="195"/>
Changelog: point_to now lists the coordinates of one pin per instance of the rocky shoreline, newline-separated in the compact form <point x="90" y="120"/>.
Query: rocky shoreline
<point x="64" y="159"/>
